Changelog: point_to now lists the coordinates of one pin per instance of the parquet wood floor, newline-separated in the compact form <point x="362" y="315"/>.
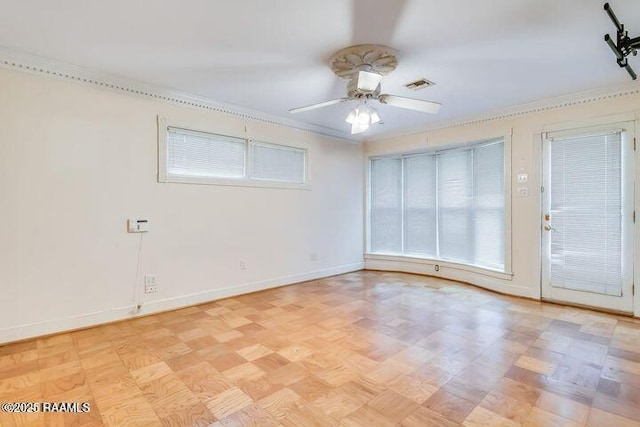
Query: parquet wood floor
<point x="362" y="349"/>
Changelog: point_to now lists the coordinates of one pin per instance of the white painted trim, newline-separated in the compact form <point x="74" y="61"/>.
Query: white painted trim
<point x="617" y="123"/>
<point x="13" y="60"/>
<point x="537" y="178"/>
<point x="17" y="61"/>
<point x="576" y="98"/>
<point x="450" y="271"/>
<point x="367" y="204"/>
<point x="165" y="178"/>
<point x="508" y="197"/>
<point x="604" y="122"/>
<point x="442" y="263"/>
<point x="163" y="136"/>
<point x="36" y="329"/>
<point x="235" y="182"/>
<point x="636" y="231"/>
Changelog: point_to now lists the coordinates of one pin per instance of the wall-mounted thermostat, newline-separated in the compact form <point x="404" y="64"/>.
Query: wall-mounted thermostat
<point x="136" y="225"/>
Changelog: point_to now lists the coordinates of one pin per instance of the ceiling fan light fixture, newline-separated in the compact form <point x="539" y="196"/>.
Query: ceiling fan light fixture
<point x="362" y="117"/>
<point x="359" y="128"/>
<point x="364" y="66"/>
<point x="362" y="114"/>
<point x="351" y="117"/>
<point x="375" y="117"/>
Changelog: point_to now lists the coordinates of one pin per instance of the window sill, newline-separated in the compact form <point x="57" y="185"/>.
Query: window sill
<point x="446" y="264"/>
<point x="234" y="182"/>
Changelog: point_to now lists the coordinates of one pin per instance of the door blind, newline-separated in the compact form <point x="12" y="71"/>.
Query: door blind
<point x="586" y="213"/>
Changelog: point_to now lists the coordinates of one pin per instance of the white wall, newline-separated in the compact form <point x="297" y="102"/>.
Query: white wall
<point x="76" y="161"/>
<point x="525" y="157"/>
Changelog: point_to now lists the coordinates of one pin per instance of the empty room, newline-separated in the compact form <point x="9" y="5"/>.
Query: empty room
<point x="350" y="213"/>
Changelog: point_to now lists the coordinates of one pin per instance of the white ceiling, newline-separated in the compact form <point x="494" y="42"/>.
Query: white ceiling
<point x="271" y="55"/>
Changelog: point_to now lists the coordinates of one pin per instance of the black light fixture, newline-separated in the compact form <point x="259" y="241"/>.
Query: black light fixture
<point x="624" y="45"/>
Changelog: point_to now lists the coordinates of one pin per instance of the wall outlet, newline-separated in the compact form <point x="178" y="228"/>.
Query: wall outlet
<point x="523" y="192"/>
<point x="243" y="264"/>
<point x="150" y="285"/>
<point x="313" y="256"/>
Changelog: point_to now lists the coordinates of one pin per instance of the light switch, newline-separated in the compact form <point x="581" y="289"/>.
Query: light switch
<point x="522" y="178"/>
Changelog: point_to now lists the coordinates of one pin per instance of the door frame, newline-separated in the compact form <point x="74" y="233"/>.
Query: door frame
<point x="629" y="122"/>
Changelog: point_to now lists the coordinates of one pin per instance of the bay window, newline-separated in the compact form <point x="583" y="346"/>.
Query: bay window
<point x="444" y="205"/>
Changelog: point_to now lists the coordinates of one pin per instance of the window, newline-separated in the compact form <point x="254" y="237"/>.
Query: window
<point x="386" y="205"/>
<point x="204" y="155"/>
<point x="447" y="205"/>
<point x="277" y="163"/>
<point x="207" y="158"/>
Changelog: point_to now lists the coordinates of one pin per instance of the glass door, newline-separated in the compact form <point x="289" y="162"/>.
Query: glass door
<point x="587" y="217"/>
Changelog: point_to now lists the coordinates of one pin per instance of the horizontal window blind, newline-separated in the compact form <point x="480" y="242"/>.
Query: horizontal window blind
<point x="447" y="205"/>
<point x="202" y="157"/>
<point x="200" y="154"/>
<point x="386" y="206"/>
<point x="420" y="205"/>
<point x="488" y="206"/>
<point x="455" y="182"/>
<point x="586" y="213"/>
<point x="277" y="163"/>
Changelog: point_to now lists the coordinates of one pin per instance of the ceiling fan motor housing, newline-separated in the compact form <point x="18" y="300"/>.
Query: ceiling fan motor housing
<point x="354" y="92"/>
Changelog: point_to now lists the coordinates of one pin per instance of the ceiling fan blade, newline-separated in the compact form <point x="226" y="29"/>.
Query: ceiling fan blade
<point x="368" y="82"/>
<point x="318" y="105"/>
<point x="410" y="103"/>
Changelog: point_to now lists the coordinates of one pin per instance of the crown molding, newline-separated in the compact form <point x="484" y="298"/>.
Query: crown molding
<point x="576" y="98"/>
<point x="13" y="60"/>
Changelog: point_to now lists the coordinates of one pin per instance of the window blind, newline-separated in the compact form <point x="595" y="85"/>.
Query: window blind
<point x="277" y="163"/>
<point x="455" y="184"/>
<point x="420" y="205"/>
<point x="488" y="205"/>
<point x="386" y="206"/>
<point x="200" y="154"/>
<point x="586" y="212"/>
<point x="445" y="205"/>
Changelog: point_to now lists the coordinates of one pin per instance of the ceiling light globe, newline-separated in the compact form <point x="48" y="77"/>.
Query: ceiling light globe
<point x="375" y="117"/>
<point x="351" y="117"/>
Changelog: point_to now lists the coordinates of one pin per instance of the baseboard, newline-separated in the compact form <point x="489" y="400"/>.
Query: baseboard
<point x="48" y="327"/>
<point x="476" y="279"/>
<point x="215" y="294"/>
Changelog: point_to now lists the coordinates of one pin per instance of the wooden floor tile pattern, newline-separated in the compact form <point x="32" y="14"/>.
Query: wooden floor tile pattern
<point x="361" y="349"/>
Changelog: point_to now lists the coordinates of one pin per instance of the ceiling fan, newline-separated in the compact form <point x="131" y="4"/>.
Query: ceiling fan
<point x="364" y="67"/>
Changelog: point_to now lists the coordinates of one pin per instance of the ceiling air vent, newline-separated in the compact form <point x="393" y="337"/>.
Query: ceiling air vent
<point x="419" y="84"/>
